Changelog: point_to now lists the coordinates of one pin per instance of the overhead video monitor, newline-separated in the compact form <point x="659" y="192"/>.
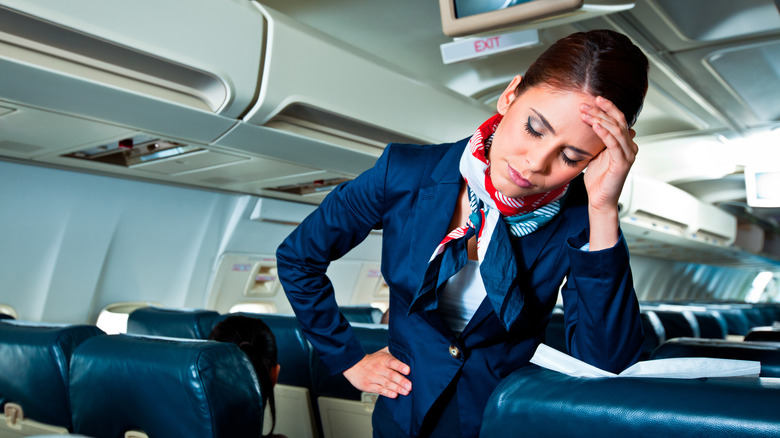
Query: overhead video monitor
<point x="762" y="187"/>
<point x="469" y="17"/>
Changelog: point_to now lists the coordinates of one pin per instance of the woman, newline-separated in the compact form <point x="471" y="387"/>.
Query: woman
<point x="466" y="311"/>
<point x="257" y="341"/>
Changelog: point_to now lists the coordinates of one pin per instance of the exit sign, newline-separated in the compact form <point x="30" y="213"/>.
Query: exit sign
<point x="470" y="48"/>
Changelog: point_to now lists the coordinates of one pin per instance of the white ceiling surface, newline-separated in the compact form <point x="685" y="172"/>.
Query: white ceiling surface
<point x="712" y="107"/>
<point x="703" y="107"/>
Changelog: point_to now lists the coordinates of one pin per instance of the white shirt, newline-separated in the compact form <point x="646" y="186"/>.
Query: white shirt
<point x="461" y="296"/>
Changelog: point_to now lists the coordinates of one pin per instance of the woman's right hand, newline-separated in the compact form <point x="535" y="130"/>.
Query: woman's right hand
<point x="380" y="373"/>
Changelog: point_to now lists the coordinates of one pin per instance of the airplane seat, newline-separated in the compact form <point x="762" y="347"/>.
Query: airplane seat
<point x="678" y="324"/>
<point x="345" y="412"/>
<point x="164" y="387"/>
<point x="766" y="353"/>
<point x="174" y="323"/>
<point x="34" y="366"/>
<point x="555" y="333"/>
<point x="769" y="313"/>
<point x="296" y="413"/>
<point x="541" y="402"/>
<point x="756" y="317"/>
<point x="653" y="329"/>
<point x="763" y="334"/>
<point x="736" y="321"/>
<point x="712" y="325"/>
<point x="362" y="314"/>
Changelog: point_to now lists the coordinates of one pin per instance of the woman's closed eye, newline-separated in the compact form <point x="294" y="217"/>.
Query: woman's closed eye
<point x="530" y="130"/>
<point x="568" y="161"/>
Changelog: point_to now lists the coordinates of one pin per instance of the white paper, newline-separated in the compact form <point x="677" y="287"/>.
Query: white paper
<point x="674" y="368"/>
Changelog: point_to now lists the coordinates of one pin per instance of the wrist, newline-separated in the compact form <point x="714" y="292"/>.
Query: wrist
<point x="604" y="227"/>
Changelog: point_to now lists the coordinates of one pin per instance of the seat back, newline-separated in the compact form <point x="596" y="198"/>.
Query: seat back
<point x="678" y="324"/>
<point x="174" y="323"/>
<point x="541" y="402"/>
<point x="345" y="412"/>
<point x="164" y="387"/>
<point x="654" y="331"/>
<point x="34" y="366"/>
<point x="296" y="412"/>
<point x="555" y="333"/>
<point x="766" y="353"/>
<point x="763" y="334"/>
<point x="361" y="314"/>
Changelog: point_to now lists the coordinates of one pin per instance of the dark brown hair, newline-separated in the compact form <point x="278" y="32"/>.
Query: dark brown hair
<point x="255" y="339"/>
<point x="600" y="63"/>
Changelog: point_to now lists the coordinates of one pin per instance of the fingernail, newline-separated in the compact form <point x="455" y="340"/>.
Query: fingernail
<point x="585" y="106"/>
<point x="586" y="115"/>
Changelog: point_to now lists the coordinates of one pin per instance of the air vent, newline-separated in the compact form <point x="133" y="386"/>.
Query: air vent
<point x="310" y="188"/>
<point x="133" y="151"/>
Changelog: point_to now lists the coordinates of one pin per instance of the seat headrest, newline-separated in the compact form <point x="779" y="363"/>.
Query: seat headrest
<point x="165" y="387"/>
<point x="174" y="323"/>
<point x="293" y="350"/>
<point x="766" y="353"/>
<point x="34" y="366"/>
<point x="541" y="402"/>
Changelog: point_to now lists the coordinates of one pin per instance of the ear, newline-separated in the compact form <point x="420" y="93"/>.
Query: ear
<point x="274" y="374"/>
<point x="506" y="98"/>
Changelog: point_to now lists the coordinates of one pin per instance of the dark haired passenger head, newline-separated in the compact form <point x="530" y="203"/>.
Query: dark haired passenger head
<point x="257" y="341"/>
<point x="599" y="63"/>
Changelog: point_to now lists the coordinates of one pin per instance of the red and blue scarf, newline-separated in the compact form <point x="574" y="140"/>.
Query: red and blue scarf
<point x="522" y="216"/>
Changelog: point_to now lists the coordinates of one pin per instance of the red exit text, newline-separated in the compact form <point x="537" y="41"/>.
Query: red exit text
<point x="486" y="43"/>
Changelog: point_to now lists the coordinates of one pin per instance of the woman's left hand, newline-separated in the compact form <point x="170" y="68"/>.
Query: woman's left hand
<point x="607" y="172"/>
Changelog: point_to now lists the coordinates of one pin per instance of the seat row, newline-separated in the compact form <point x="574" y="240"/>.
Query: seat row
<point x="542" y="402"/>
<point x="664" y="322"/>
<point x="75" y="378"/>
<point x="309" y="401"/>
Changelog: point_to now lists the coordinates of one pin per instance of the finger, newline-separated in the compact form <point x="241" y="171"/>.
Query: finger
<point x="618" y="148"/>
<point x="398" y="388"/>
<point x="381" y="390"/>
<point x="397" y="365"/>
<point x="612" y="110"/>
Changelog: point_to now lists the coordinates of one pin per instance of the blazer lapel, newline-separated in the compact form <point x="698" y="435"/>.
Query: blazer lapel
<point x="432" y="212"/>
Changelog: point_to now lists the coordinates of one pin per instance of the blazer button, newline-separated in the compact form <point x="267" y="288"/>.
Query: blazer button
<point x="454" y="352"/>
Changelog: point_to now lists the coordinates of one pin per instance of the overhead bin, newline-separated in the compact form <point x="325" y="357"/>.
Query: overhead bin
<point x="249" y="100"/>
<point x="661" y="220"/>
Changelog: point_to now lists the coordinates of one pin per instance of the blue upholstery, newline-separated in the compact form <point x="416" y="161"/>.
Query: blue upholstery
<point x="763" y="334"/>
<point x="678" y="324"/>
<point x="555" y="333"/>
<point x="712" y="325"/>
<point x="362" y="314"/>
<point x="34" y="364"/>
<point x="293" y="350"/>
<point x="373" y="337"/>
<point x="737" y="321"/>
<point x="187" y="324"/>
<point x="164" y="387"/>
<point x="766" y="353"/>
<point x="654" y="331"/>
<point x="537" y="402"/>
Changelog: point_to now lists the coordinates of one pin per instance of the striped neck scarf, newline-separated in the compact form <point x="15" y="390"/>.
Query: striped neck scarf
<point x="522" y="216"/>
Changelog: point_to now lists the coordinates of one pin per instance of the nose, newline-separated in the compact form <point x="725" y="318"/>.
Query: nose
<point x="538" y="159"/>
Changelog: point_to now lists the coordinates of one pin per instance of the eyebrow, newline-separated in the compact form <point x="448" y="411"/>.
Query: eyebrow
<point x="549" y="126"/>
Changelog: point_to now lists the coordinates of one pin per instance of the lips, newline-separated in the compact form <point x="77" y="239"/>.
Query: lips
<point x="517" y="179"/>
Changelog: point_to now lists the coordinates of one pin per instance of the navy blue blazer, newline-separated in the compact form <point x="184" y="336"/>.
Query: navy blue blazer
<point x="411" y="194"/>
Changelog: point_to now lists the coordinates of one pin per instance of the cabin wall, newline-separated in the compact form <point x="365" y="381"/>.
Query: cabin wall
<point x="71" y="243"/>
<point x="664" y="280"/>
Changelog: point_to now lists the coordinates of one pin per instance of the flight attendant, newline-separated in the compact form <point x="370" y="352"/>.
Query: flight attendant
<point x="478" y="237"/>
